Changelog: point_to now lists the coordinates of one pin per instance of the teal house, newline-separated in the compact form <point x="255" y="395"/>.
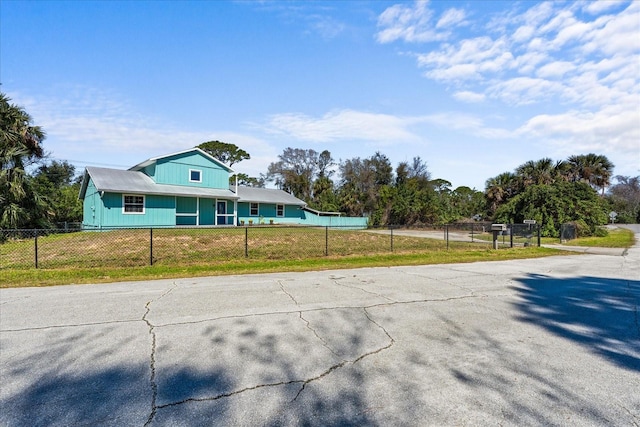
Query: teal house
<point x="189" y="188"/>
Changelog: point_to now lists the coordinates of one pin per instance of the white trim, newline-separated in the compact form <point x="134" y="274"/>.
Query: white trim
<point x="124" y="204"/>
<point x="251" y="208"/>
<point x="199" y="175"/>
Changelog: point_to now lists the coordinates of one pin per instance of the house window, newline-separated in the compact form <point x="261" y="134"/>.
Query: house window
<point x="195" y="175"/>
<point x="279" y="210"/>
<point x="254" y="209"/>
<point x="133" y="204"/>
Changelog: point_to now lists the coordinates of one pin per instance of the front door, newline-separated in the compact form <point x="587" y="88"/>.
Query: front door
<point x="221" y="210"/>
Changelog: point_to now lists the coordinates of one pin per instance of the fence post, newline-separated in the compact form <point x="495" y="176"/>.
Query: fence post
<point x="246" y="242"/>
<point x="539" y="236"/>
<point x="391" y="228"/>
<point x="511" y="234"/>
<point x="36" y="247"/>
<point x="446" y="231"/>
<point x="326" y="241"/>
<point x="150" y="246"/>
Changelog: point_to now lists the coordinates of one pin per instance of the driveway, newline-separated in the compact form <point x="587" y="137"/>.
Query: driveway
<point x="553" y="341"/>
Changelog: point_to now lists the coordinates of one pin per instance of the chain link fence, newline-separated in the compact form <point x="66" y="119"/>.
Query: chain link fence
<point x="568" y="231"/>
<point x="134" y="247"/>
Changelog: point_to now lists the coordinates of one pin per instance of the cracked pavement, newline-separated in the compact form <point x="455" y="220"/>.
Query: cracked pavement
<point x="551" y="341"/>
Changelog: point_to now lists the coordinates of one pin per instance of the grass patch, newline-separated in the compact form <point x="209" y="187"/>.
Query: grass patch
<point x="616" y="238"/>
<point x="457" y="254"/>
<point x="126" y="255"/>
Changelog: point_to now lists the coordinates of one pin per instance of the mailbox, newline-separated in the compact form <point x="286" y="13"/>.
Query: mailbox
<point x="498" y="227"/>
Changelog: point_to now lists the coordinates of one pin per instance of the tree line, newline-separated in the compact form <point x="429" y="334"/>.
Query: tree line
<point x="36" y="192"/>
<point x="550" y="192"/>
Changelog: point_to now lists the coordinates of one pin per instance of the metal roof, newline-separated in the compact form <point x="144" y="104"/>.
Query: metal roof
<point x="121" y="181"/>
<point x="267" y="195"/>
<point x="136" y="182"/>
<point x="153" y="160"/>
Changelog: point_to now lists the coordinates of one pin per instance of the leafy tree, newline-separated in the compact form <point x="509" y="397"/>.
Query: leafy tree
<point x="58" y="186"/>
<point x="20" y="146"/>
<point x="361" y="183"/>
<point x="297" y="169"/>
<point x="624" y="198"/>
<point x="228" y="154"/>
<point x="231" y="154"/>
<point x="248" y="181"/>
<point x="415" y="200"/>
<point x="324" y="196"/>
<point x="467" y="202"/>
<point x="554" y="204"/>
<point x="325" y="164"/>
<point x="499" y="190"/>
<point x="356" y="184"/>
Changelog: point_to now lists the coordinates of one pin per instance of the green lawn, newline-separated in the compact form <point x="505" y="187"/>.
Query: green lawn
<point x="616" y="238"/>
<point x="121" y="255"/>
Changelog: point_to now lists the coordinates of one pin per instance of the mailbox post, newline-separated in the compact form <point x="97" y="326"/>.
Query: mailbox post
<point x="497" y="229"/>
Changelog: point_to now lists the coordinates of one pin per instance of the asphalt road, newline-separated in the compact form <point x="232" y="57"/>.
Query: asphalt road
<point x="553" y="341"/>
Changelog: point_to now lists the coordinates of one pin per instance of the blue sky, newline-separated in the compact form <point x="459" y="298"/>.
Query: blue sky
<point x="474" y="88"/>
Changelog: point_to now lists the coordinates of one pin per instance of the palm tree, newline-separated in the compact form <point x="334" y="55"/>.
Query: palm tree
<point x="594" y="169"/>
<point x="20" y="143"/>
<point x="500" y="189"/>
<point x="537" y="172"/>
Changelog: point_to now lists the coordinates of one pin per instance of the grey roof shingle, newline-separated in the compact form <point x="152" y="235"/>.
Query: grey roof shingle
<point x="121" y="181"/>
<point x="267" y="195"/>
<point x="129" y="181"/>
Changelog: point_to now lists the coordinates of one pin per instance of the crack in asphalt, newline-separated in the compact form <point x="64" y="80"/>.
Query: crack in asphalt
<point x="324" y="343"/>
<point x="152" y="333"/>
<point x="337" y="307"/>
<point x="306" y="322"/>
<point x="635" y="419"/>
<point x="455" y="285"/>
<point x="152" y="358"/>
<point x="229" y="394"/>
<point x="284" y="383"/>
<point x="287" y="293"/>
<point x="303" y="383"/>
<point x="71" y="325"/>
<point x="352" y="362"/>
<point x="337" y="282"/>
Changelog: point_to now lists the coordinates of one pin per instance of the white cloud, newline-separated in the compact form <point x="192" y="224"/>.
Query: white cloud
<point x="469" y="59"/>
<point x="611" y="129"/>
<point x="524" y="90"/>
<point x="327" y="27"/>
<point x="407" y="23"/>
<point x="555" y="69"/>
<point x="599" y="6"/>
<point x="375" y="128"/>
<point x="343" y="125"/>
<point x="468" y="124"/>
<point x="468" y="96"/>
<point x="451" y="17"/>
<point x="617" y="34"/>
<point x="523" y="33"/>
<point x="548" y="52"/>
<point x="91" y="127"/>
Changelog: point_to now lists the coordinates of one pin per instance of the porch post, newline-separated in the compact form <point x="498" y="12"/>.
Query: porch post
<point x="235" y="204"/>
<point x="197" y="211"/>
<point x="235" y="211"/>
